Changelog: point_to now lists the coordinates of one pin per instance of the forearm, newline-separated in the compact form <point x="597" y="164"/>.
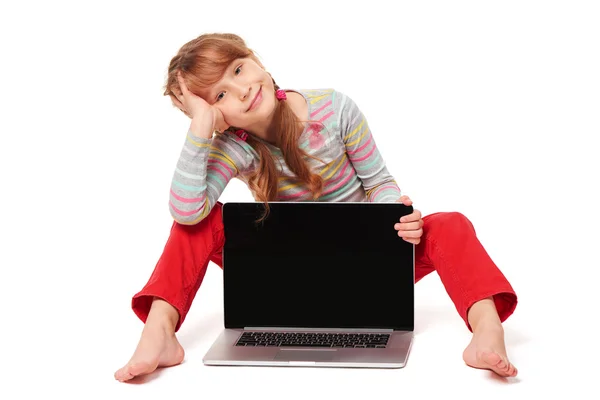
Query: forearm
<point x="385" y="192"/>
<point x="188" y="200"/>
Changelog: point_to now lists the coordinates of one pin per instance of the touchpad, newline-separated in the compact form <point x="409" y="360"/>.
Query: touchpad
<point x="305" y="355"/>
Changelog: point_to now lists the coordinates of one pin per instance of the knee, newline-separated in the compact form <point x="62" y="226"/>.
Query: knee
<point x="212" y="222"/>
<point x="448" y="222"/>
<point x="214" y="219"/>
<point x="456" y="218"/>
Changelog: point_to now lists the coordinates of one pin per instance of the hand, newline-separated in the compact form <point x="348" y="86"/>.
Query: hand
<point x="196" y="107"/>
<point x="410" y="227"/>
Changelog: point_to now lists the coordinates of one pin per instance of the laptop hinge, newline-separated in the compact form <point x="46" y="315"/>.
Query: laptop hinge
<point x="298" y="329"/>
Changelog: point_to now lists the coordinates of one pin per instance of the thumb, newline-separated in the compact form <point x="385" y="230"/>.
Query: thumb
<point x="220" y="124"/>
<point x="405" y="200"/>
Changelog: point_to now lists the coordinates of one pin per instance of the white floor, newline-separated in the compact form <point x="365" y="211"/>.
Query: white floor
<point x="487" y="108"/>
<point x="545" y="342"/>
<point x="70" y="351"/>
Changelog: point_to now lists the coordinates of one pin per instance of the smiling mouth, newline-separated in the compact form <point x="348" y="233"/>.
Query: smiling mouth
<point x="254" y="101"/>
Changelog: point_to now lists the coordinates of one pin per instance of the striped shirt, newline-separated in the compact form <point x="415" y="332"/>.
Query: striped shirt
<point x="351" y="166"/>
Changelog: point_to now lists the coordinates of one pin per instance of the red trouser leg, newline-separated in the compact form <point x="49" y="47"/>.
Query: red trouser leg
<point x="450" y="247"/>
<point x="182" y="265"/>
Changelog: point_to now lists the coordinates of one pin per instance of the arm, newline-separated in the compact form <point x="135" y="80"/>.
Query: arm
<point x="362" y="151"/>
<point x="204" y="169"/>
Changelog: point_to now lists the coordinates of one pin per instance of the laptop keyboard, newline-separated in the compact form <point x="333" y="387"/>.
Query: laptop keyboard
<point x="335" y="340"/>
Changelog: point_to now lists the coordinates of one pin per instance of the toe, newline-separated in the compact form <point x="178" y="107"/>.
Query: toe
<point x="503" y="365"/>
<point x="139" y="369"/>
<point x="122" y="374"/>
<point x="502" y="368"/>
<point x="491" y="359"/>
<point x="496" y="363"/>
<point x="512" y="371"/>
<point x="132" y="370"/>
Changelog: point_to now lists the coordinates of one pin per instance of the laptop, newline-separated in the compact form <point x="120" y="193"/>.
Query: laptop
<point x="315" y="284"/>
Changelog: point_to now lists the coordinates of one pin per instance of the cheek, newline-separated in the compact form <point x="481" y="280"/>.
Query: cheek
<point x="269" y="84"/>
<point x="228" y="113"/>
<point x="270" y="103"/>
<point x="235" y="118"/>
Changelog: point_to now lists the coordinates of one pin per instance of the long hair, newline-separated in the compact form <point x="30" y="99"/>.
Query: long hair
<point x="203" y="62"/>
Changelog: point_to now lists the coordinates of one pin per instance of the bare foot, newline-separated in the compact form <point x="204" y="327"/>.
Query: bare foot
<point x="488" y="351"/>
<point x="158" y="347"/>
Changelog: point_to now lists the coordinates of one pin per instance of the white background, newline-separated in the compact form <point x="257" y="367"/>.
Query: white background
<point x="487" y="108"/>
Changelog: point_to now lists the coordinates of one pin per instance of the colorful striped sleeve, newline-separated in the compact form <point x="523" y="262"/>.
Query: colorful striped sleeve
<point x="362" y="151"/>
<point x="204" y="168"/>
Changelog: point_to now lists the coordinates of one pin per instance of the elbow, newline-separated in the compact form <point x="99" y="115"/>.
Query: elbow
<point x="187" y="218"/>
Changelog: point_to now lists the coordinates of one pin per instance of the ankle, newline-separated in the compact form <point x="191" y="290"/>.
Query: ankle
<point x="487" y="325"/>
<point x="483" y="316"/>
<point x="162" y="315"/>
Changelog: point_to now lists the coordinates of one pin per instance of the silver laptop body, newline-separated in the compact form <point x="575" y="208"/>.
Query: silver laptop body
<point x="316" y="284"/>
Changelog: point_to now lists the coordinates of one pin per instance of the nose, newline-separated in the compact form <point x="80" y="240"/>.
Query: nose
<point x="245" y="92"/>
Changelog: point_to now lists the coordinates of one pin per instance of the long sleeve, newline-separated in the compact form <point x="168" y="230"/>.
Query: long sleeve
<point x="380" y="186"/>
<point x="204" y="168"/>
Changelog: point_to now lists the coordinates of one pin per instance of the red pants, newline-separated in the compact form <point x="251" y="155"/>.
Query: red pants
<point x="448" y="245"/>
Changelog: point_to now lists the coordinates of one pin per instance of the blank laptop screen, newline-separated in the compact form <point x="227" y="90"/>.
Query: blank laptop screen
<point x="317" y="265"/>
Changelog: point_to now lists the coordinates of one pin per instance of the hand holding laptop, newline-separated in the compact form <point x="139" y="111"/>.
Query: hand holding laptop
<point x="410" y="227"/>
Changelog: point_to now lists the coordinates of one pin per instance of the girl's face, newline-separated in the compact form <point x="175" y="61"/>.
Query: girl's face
<point x="245" y="95"/>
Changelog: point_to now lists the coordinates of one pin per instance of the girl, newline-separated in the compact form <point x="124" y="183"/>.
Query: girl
<point x="289" y="145"/>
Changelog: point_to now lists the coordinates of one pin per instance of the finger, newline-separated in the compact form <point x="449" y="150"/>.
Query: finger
<point x="181" y="107"/>
<point x="404" y="199"/>
<point x="178" y="104"/>
<point x="412" y="240"/>
<point x="223" y="127"/>
<point x="408" y="218"/>
<point x="408" y="226"/>
<point x="184" y="90"/>
<point x="411" y="234"/>
<point x="183" y="94"/>
<point x="413" y="216"/>
<point x="179" y="101"/>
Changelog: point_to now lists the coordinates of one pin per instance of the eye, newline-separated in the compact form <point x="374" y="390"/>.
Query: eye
<point x="237" y="71"/>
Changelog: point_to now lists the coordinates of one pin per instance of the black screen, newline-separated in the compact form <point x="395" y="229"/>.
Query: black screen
<point x="317" y="265"/>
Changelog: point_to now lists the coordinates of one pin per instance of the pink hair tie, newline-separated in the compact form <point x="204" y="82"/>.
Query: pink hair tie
<point x="242" y="134"/>
<point x="280" y="94"/>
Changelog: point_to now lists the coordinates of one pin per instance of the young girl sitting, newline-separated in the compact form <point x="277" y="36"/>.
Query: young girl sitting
<point x="291" y="145"/>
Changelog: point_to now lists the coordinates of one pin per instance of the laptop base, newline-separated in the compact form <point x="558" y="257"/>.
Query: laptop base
<point x="225" y="352"/>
